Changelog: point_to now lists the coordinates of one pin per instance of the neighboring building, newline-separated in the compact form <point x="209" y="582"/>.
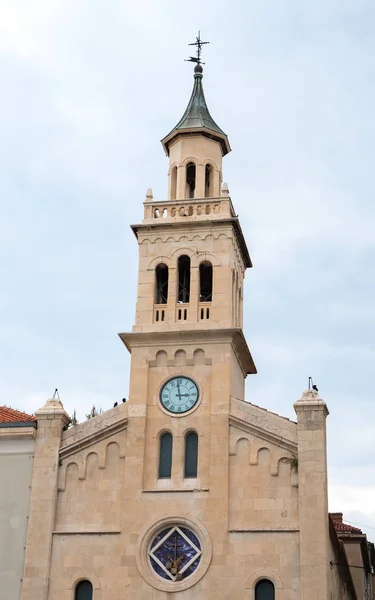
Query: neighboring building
<point x="360" y="556"/>
<point x="186" y="489"/>
<point x="17" y="438"/>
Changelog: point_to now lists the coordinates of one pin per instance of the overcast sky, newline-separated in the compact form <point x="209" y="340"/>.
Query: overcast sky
<point x="88" y="90"/>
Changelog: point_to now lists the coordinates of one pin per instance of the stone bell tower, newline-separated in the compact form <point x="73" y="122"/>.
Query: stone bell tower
<point x="193" y="255"/>
<point x="192" y="263"/>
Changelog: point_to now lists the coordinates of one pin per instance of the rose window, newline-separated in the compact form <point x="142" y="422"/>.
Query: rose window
<point x="175" y="553"/>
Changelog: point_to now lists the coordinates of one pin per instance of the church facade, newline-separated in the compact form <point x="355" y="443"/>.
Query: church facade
<point x="185" y="490"/>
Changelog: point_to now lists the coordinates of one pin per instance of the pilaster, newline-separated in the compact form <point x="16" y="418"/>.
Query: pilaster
<point x="51" y="419"/>
<point x="311" y="413"/>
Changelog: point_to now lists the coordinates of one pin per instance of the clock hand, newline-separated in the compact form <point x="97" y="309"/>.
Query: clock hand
<point x="178" y="392"/>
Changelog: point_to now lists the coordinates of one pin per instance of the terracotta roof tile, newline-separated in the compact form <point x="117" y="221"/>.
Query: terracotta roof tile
<point x="10" y="415"/>
<point x="341" y="527"/>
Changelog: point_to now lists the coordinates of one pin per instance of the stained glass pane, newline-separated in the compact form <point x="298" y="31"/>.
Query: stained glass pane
<point x="178" y="554"/>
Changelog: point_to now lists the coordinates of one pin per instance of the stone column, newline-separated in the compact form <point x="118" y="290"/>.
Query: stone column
<point x="200" y="183"/>
<point x="181" y="183"/>
<point x="51" y="420"/>
<point x="193" y="316"/>
<point x="311" y="413"/>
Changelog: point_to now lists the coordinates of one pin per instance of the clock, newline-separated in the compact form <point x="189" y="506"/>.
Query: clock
<point x="179" y="394"/>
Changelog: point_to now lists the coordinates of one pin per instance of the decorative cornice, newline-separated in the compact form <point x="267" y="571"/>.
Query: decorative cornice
<point x="270" y="530"/>
<point x="263" y="434"/>
<point x="18" y="431"/>
<point x="88" y="532"/>
<point x="93" y="438"/>
<point x="234" y="336"/>
<point x="185" y="224"/>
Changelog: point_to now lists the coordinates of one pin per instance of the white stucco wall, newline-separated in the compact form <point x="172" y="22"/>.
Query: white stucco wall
<point x="16" y="460"/>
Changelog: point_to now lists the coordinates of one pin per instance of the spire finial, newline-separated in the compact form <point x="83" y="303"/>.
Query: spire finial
<point x="198" y="43"/>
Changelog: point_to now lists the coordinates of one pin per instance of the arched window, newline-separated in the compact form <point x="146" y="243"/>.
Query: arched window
<point x="190" y="180"/>
<point x="205" y="281"/>
<point x="161" y="284"/>
<point x="191" y="455"/>
<point x="208" y="181"/>
<point x="174" y="183"/>
<point x="83" y="590"/>
<point x="264" y="590"/>
<point x="183" y="278"/>
<point x="165" y="456"/>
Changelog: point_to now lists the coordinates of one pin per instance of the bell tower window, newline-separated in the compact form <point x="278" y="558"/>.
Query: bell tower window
<point x="205" y="282"/>
<point x="208" y="181"/>
<point x="161" y="284"/>
<point x="174" y="183"/>
<point x="183" y="279"/>
<point x="190" y="180"/>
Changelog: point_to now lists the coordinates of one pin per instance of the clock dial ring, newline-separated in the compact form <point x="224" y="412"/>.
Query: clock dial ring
<point x="179" y="395"/>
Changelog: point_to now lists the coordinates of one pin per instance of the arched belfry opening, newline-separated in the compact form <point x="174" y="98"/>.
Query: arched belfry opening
<point x="208" y="181"/>
<point x="190" y="180"/>
<point x="173" y="194"/>
<point x="205" y="281"/>
<point x="161" y="284"/>
<point x="183" y="278"/>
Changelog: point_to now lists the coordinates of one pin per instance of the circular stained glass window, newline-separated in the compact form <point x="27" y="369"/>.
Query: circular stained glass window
<point x="175" y="553"/>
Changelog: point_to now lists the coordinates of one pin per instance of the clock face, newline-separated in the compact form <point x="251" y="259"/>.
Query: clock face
<point x="179" y="394"/>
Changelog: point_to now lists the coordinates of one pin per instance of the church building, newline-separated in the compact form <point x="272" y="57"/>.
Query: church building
<point x="185" y="491"/>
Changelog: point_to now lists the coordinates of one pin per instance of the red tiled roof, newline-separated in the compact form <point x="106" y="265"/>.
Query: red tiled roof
<point x="341" y="527"/>
<point x="10" y="415"/>
<point x="344" y="528"/>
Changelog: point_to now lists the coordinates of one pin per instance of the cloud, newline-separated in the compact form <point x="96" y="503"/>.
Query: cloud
<point x="89" y="89"/>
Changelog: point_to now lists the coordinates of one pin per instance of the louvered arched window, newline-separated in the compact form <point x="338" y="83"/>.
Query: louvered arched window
<point x="264" y="590"/>
<point x="83" y="590"/>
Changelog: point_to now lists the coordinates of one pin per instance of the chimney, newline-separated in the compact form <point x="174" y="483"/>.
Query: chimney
<point x="336" y="517"/>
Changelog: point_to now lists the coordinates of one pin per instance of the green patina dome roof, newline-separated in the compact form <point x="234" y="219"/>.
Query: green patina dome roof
<point x="197" y="117"/>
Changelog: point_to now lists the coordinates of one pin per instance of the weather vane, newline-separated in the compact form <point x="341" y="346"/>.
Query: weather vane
<point x="198" y="43"/>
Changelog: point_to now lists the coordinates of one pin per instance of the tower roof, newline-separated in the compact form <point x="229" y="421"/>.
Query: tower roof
<point x="197" y="118"/>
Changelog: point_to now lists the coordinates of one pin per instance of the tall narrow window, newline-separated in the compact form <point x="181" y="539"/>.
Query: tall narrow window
<point x="174" y="183"/>
<point x="183" y="278"/>
<point x="205" y="281"/>
<point x="191" y="455"/>
<point x="190" y="180"/>
<point x="264" y="590"/>
<point x="165" y="456"/>
<point x="161" y="284"/>
<point x="83" y="590"/>
<point x="208" y="181"/>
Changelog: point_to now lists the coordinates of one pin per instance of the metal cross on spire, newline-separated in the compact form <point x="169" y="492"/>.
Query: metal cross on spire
<point x="198" y="43"/>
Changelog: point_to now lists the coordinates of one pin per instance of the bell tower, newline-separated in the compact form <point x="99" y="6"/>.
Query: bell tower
<point x="189" y="356"/>
<point x="193" y="255"/>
